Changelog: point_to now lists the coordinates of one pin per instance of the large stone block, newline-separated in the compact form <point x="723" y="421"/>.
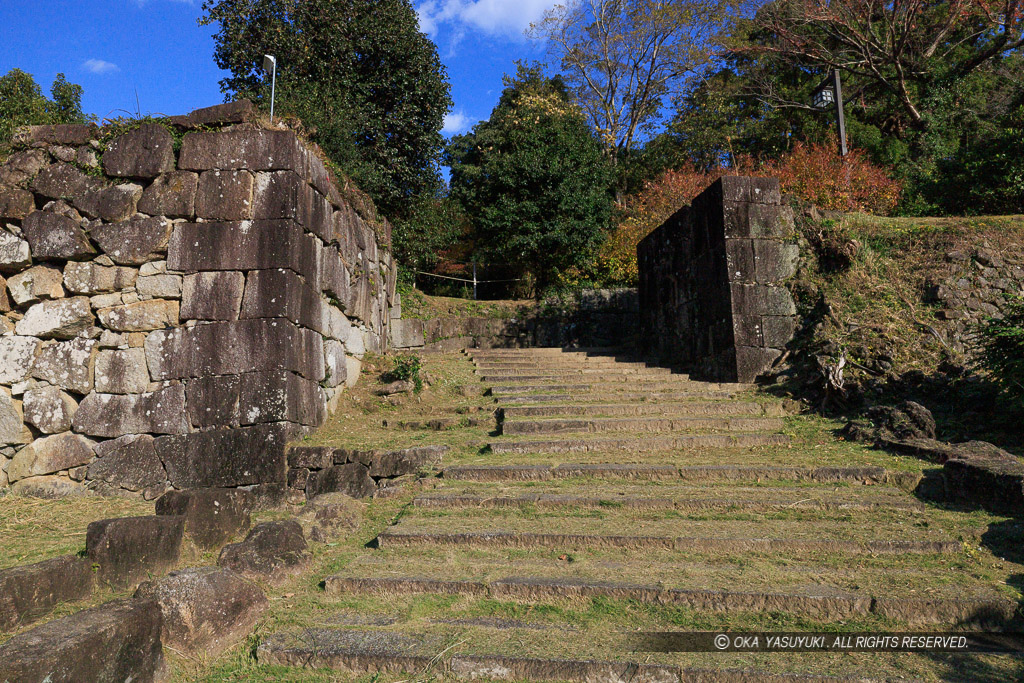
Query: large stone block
<point x="30" y="591"/>
<point x="335" y="368"/>
<point x="172" y="195"/>
<point x="750" y="299"/>
<point x="778" y="331"/>
<point x="759" y="221"/>
<point x="134" y="242"/>
<point x="246" y="245"/>
<point x="55" y="237"/>
<point x="352" y="479"/>
<point x="406" y="334"/>
<point x="92" y="278"/>
<point x="226" y="196"/>
<point x="212" y="296"/>
<point x="752" y="362"/>
<point x="17" y="354"/>
<point x="233" y="348"/>
<point x="205" y="609"/>
<point x="255" y="150"/>
<point x="226" y="457"/>
<point x="280" y="195"/>
<point x="50" y="454"/>
<point x="212" y="516"/>
<point x="161" y="285"/>
<point x="145" y="152"/>
<point x="90" y="195"/>
<point x="49" y="486"/>
<point x="72" y="134"/>
<point x="334" y="277"/>
<point x="112" y="415"/>
<point x="61" y="319"/>
<point x="130" y="549"/>
<point x="12" y="425"/>
<point x="280" y="293"/>
<point x="15" y="253"/>
<point x="121" y="371"/>
<point x="16" y="203"/>
<point x="49" y="409"/>
<point x="747" y="189"/>
<point x="213" y="401"/>
<point x="280" y="397"/>
<point x="775" y="261"/>
<point x="68" y="365"/>
<point x="141" y="316"/>
<point x="36" y="284"/>
<point x="271" y="552"/>
<point x="219" y="114"/>
<point x="129" y="462"/>
<point x="113" y="643"/>
<point x="23" y="165"/>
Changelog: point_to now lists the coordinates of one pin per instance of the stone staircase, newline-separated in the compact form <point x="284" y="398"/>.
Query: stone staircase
<point x="696" y="515"/>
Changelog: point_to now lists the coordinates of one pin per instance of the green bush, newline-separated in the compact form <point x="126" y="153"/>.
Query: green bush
<point x="1001" y="347"/>
<point x="407" y="369"/>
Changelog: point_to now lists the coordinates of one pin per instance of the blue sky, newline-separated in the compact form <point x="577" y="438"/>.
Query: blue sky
<point x="117" y="48"/>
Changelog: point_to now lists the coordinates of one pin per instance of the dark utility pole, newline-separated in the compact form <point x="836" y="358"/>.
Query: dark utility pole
<point x="837" y="87"/>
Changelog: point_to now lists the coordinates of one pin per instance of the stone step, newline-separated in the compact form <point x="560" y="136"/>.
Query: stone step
<point x="422" y="656"/>
<point x="517" y="373"/>
<point x="589" y="398"/>
<point x="825" y="604"/>
<point x="587" y="364"/>
<point x="708" y="473"/>
<point x="439" y="424"/>
<point x="665" y="408"/>
<point x="642" y="424"/>
<point x="677" y="389"/>
<point x="667" y="381"/>
<point x="795" y="501"/>
<point x="635" y="444"/>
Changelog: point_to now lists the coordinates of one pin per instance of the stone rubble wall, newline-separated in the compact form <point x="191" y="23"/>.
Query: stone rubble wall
<point x="600" y="318"/>
<point x="713" y="298"/>
<point x="176" y="304"/>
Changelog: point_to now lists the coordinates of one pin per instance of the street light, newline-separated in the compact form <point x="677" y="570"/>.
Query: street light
<point x="270" y="66"/>
<point x="830" y="94"/>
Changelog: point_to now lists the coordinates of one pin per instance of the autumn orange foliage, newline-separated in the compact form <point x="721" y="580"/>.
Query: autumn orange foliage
<point x="814" y="173"/>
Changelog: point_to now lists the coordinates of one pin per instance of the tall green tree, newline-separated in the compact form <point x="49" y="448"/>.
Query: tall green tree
<point x="368" y="86"/>
<point x="22" y="103"/>
<point x="534" y="179"/>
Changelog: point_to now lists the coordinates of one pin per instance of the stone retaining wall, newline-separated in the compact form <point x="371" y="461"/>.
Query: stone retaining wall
<point x="177" y="304"/>
<point x="713" y="298"/>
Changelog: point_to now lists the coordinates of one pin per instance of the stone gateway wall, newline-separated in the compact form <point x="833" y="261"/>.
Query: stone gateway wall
<point x="177" y="304"/>
<point x="713" y="298"/>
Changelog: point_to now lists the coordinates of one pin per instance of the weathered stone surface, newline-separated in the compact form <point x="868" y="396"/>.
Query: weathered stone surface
<point x="226" y="457"/>
<point x="134" y="242"/>
<point x="30" y="591"/>
<point x="981" y="475"/>
<point x="16" y="357"/>
<point x="172" y="195"/>
<point x="12" y="422"/>
<point x="145" y="152"/>
<point x="232" y="348"/>
<point x="162" y="285"/>
<point x="35" y="284"/>
<point x="142" y="316"/>
<point x="280" y="396"/>
<point x="15" y="253"/>
<point x="129" y="462"/>
<point x="255" y="150"/>
<point x="406" y="334"/>
<point x="282" y="293"/>
<point x="355" y="368"/>
<point x="52" y="236"/>
<point x="212" y="296"/>
<point x="68" y="365"/>
<point x="61" y="319"/>
<point x="113" y="204"/>
<point x="129" y="549"/>
<point x="91" y="278"/>
<point x="212" y="516"/>
<point x="50" y="454"/>
<point x="225" y="196"/>
<point x="311" y="457"/>
<point x="338" y="326"/>
<point x="121" y="371"/>
<point x="16" y="203"/>
<point x="244" y="245"/>
<point x="406" y="461"/>
<point x="335" y="278"/>
<point x="111" y="415"/>
<point x="63" y="181"/>
<point x="58" y="134"/>
<point x="213" y="401"/>
<point x="205" y="609"/>
<point x="335" y="511"/>
<point x="335" y="367"/>
<point x="279" y="195"/>
<point x="22" y="166"/>
<point x="352" y="479"/>
<point x="48" y="486"/>
<point x="219" y="114"/>
<point x="272" y="551"/>
<point x="113" y="643"/>
<point x="49" y="409"/>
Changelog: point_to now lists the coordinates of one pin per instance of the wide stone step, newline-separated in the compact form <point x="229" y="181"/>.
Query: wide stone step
<point x="642" y="424"/>
<point x="654" y="443"/>
<point x="826" y="605"/>
<point x="642" y="371"/>
<point x="667" y="408"/>
<point x="597" y="352"/>
<point x="420" y="655"/>
<point x="654" y="389"/>
<point x="596" y="397"/>
<point x="666" y="380"/>
<point x="514" y="539"/>
<point x="708" y="473"/>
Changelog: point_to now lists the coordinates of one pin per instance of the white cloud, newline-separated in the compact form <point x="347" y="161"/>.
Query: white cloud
<point x="508" y="17"/>
<point x="98" y="66"/>
<point x="456" y="122"/>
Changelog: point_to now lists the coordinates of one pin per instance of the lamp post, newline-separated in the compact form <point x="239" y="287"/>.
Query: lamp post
<point x="270" y="67"/>
<point x="830" y="93"/>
